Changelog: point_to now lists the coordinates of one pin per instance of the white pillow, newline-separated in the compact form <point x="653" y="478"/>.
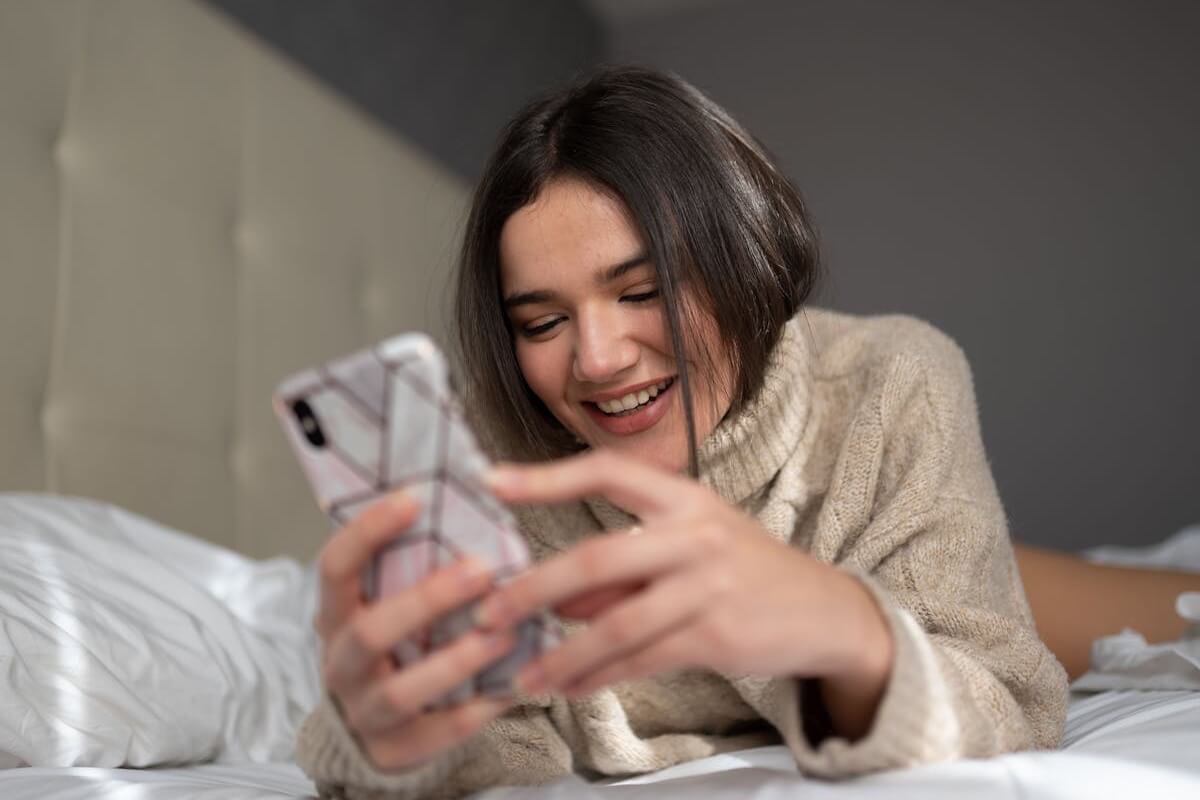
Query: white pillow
<point x="125" y="643"/>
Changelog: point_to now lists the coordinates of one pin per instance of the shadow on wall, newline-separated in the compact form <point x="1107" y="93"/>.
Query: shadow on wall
<point x="447" y="75"/>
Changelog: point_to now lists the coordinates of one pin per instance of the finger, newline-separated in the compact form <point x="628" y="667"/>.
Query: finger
<point x="347" y="553"/>
<point x="602" y="561"/>
<point x="422" y="739"/>
<point x="591" y="604"/>
<point x="374" y="630"/>
<point x="404" y="694"/>
<point x="675" y="651"/>
<point x="634" y="486"/>
<point x="616" y="635"/>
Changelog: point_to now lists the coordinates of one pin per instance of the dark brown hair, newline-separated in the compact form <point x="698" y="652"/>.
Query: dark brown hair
<point x="713" y="210"/>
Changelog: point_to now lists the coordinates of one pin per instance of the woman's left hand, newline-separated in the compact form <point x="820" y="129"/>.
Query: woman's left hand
<point x="703" y="585"/>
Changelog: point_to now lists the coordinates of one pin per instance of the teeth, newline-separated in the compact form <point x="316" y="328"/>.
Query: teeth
<point x="633" y="399"/>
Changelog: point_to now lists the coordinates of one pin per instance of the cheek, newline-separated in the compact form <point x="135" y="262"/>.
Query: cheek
<point x="650" y="330"/>
<point x="544" y="370"/>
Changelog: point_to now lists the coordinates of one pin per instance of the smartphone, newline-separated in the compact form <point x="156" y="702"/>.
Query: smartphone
<point x="384" y="419"/>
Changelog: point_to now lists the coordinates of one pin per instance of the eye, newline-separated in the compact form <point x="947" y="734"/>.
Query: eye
<point x="532" y="331"/>
<point x="640" y="297"/>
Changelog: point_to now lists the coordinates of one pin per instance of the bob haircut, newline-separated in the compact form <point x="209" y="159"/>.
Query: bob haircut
<point x="714" y="213"/>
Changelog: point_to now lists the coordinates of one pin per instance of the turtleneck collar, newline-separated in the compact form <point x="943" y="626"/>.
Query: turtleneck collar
<point x="747" y="449"/>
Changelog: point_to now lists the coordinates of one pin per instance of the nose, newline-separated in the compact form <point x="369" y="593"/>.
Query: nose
<point x="603" y="349"/>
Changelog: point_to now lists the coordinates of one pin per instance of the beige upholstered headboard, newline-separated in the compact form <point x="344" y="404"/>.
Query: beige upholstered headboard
<point x="184" y="219"/>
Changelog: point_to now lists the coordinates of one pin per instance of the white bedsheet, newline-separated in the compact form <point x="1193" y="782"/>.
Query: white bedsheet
<point x="1118" y="744"/>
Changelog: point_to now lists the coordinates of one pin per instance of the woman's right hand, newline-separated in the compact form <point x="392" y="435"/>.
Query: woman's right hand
<point x="383" y="707"/>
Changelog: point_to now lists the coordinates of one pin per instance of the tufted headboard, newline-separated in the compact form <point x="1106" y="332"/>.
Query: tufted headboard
<point x="184" y="219"/>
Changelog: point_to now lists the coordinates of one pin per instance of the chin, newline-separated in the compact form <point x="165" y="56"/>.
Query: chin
<point x="670" y="456"/>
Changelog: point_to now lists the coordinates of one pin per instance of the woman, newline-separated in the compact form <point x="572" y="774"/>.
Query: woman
<point x="822" y="553"/>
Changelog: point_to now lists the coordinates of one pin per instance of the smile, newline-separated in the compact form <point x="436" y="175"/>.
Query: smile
<point x="634" y="400"/>
<point x="634" y="411"/>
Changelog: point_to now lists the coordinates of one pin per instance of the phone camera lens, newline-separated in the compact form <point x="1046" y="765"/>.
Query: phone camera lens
<point x="308" y="423"/>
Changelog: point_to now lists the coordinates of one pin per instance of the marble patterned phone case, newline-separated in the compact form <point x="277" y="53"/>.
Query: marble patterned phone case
<point x="384" y="419"/>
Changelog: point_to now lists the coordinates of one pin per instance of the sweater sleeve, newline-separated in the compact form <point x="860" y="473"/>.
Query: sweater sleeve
<point x="520" y="748"/>
<point x="925" y="532"/>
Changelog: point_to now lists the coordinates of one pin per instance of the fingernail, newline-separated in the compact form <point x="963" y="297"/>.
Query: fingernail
<point x="400" y="501"/>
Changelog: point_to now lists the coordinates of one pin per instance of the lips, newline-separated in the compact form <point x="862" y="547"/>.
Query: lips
<point x="632" y="400"/>
<point x="630" y="413"/>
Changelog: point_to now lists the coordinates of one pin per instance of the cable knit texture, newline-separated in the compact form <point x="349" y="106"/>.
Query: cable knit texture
<point x="864" y="450"/>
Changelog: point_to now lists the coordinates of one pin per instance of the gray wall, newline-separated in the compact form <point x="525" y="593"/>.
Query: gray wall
<point x="447" y="74"/>
<point x="1026" y="176"/>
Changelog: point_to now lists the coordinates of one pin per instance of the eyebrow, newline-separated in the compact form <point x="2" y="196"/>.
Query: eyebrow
<point x="604" y="276"/>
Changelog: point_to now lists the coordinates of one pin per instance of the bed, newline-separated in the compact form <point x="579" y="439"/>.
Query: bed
<point x="185" y="218"/>
<point x="97" y="587"/>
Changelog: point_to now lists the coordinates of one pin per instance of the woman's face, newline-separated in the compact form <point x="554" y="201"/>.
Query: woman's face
<point x="589" y="327"/>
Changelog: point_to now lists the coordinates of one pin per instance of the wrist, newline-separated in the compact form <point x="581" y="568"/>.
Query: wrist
<point x="853" y="685"/>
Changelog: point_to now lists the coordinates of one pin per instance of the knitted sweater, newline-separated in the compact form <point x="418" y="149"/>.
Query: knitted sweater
<point x="863" y="449"/>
